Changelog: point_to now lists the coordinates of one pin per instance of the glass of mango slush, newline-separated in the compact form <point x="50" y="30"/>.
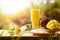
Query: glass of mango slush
<point x="35" y="13"/>
<point x="35" y="17"/>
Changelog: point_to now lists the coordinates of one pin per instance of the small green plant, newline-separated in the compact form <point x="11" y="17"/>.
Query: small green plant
<point x="50" y="37"/>
<point x="18" y="38"/>
<point x="13" y="38"/>
<point x="1" y="33"/>
<point x="41" y="39"/>
<point x="58" y="38"/>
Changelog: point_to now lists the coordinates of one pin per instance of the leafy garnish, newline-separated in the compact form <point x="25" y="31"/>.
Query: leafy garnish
<point x="29" y="27"/>
<point x="50" y="37"/>
<point x="1" y="33"/>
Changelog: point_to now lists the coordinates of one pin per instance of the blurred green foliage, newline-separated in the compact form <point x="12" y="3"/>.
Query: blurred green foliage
<point x="53" y="10"/>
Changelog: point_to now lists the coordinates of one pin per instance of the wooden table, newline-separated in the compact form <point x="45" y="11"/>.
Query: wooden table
<point x="28" y="38"/>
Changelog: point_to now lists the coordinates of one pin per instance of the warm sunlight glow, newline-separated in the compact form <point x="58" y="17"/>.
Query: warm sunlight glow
<point x="10" y="7"/>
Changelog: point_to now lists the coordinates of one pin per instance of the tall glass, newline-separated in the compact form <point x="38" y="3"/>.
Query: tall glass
<point x="35" y="17"/>
<point x="37" y="9"/>
<point x="35" y="13"/>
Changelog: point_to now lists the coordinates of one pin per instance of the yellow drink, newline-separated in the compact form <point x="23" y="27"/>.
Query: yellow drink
<point x="35" y="17"/>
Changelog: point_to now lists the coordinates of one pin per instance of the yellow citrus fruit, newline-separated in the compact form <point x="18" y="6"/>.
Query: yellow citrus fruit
<point x="17" y="30"/>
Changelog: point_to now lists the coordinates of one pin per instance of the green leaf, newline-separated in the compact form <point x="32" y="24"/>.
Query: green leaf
<point x="50" y="37"/>
<point x="58" y="38"/>
<point x="18" y="38"/>
<point x="1" y="33"/>
<point x="29" y="27"/>
<point x="41" y="39"/>
<point x="11" y="31"/>
<point x="12" y="37"/>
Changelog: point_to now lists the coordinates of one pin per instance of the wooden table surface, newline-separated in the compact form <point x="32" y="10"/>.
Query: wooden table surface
<point x="28" y="38"/>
